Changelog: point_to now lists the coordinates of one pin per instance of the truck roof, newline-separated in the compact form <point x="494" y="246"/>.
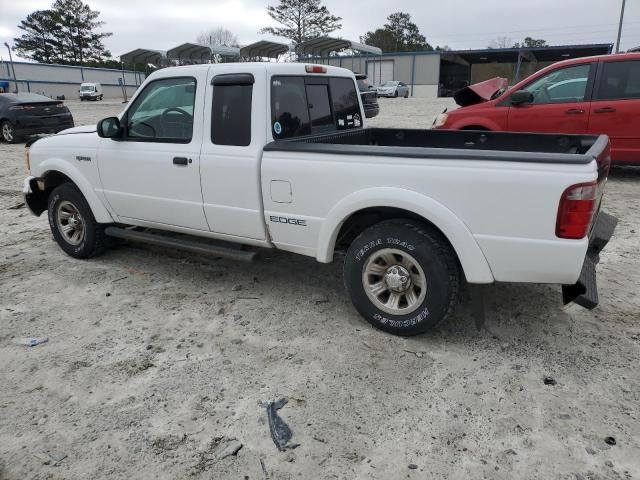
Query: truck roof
<point x="272" y="67"/>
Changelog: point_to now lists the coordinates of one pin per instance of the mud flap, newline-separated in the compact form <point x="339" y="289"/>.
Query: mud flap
<point x="585" y="291"/>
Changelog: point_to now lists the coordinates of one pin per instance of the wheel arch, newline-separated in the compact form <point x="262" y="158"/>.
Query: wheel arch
<point x="56" y="172"/>
<point x="367" y="207"/>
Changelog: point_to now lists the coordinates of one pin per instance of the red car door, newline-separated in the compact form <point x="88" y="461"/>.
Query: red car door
<point x="615" y="109"/>
<point x="560" y="102"/>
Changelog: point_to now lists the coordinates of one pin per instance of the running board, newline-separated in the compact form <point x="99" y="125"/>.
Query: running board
<point x="185" y="244"/>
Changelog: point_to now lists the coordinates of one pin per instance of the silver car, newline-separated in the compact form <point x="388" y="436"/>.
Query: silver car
<point x="393" y="88"/>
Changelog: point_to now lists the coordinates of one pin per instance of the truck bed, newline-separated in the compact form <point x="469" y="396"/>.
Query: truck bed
<point x="452" y="144"/>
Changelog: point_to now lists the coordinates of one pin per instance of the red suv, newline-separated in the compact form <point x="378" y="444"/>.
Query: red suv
<point x="585" y="95"/>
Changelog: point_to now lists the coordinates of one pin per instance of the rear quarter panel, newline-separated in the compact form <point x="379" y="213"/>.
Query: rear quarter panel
<point x="507" y="209"/>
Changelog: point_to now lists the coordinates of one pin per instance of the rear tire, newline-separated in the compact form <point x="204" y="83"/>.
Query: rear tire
<point x="402" y="276"/>
<point x="72" y="223"/>
<point x="396" y="94"/>
<point x="8" y="132"/>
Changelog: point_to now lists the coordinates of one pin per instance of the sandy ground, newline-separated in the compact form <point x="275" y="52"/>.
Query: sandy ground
<point x="157" y="361"/>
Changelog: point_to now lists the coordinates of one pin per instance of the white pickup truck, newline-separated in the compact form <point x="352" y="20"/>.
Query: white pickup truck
<point x="279" y="156"/>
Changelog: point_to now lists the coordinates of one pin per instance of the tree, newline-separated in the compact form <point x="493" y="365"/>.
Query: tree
<point x="66" y="33"/>
<point x="381" y="38"/>
<point x="301" y="20"/>
<point x="218" y="37"/>
<point x="507" y="42"/>
<point x="501" y="42"/>
<point x="399" y="34"/>
<point x="531" y="43"/>
<point x="39" y="41"/>
<point x="78" y="25"/>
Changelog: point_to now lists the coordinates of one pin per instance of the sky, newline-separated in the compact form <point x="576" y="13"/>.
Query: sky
<point x="460" y="24"/>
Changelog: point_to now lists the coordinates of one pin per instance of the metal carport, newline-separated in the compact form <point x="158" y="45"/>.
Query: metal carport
<point x="197" y="53"/>
<point x="264" y="49"/>
<point x="144" y="56"/>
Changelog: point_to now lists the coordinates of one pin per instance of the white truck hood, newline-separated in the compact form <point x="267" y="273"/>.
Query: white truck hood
<point x="82" y="129"/>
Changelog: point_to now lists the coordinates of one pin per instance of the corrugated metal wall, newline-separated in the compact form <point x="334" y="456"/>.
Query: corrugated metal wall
<point x="421" y="71"/>
<point x="54" y="80"/>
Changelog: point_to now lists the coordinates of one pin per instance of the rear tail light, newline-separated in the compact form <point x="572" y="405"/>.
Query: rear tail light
<point x="315" y="69"/>
<point x="577" y="208"/>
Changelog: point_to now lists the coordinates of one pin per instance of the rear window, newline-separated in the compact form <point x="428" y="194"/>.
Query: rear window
<point x="306" y="105"/>
<point x="620" y="80"/>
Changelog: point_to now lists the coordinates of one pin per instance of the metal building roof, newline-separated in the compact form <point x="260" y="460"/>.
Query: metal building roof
<point x="264" y="48"/>
<point x="540" y="54"/>
<point x="144" y="56"/>
<point x="196" y="51"/>
<point x="323" y="46"/>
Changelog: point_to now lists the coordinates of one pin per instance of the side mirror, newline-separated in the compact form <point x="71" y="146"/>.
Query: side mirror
<point x="521" y="97"/>
<point x="109" y="128"/>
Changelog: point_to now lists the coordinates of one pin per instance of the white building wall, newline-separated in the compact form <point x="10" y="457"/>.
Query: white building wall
<point x="56" y="80"/>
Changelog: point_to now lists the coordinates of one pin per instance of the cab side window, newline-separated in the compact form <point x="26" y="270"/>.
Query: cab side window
<point x="163" y="112"/>
<point x="619" y="81"/>
<point x="231" y="112"/>
<point x="561" y="86"/>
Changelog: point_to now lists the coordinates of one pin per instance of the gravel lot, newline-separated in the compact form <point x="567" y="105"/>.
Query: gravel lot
<point x="157" y="361"/>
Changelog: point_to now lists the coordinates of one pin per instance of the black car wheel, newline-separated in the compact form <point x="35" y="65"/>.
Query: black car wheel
<point x="402" y="276"/>
<point x="72" y="223"/>
<point x="8" y="131"/>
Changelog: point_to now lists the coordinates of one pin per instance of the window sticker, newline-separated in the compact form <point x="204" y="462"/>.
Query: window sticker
<point x="277" y="128"/>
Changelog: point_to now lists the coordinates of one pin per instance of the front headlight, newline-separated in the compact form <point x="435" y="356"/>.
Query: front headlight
<point x="27" y="160"/>
<point x="440" y="120"/>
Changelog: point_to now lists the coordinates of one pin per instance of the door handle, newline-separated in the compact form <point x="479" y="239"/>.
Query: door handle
<point x="181" y="160"/>
<point x="605" y="110"/>
<point x="574" y="111"/>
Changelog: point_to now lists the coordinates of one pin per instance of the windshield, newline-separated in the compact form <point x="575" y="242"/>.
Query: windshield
<point x="87" y="88"/>
<point x="389" y="84"/>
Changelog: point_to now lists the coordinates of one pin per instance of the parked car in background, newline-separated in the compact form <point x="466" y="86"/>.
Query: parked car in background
<point x="369" y="96"/>
<point x="393" y="88"/>
<point x="591" y="95"/>
<point x="28" y="113"/>
<point x="90" y="91"/>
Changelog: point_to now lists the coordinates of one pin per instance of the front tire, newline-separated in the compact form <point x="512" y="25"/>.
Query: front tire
<point x="402" y="276"/>
<point x="72" y="223"/>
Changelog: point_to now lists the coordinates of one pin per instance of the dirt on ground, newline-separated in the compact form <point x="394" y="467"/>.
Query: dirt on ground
<point x="157" y="362"/>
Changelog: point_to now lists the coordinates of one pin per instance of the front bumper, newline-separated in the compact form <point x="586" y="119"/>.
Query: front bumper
<point x="585" y="291"/>
<point x="34" y="195"/>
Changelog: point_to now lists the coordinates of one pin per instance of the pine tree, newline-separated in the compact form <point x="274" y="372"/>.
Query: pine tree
<point x="301" y="20"/>
<point x="66" y="33"/>
<point x="78" y="25"/>
<point x="39" y="42"/>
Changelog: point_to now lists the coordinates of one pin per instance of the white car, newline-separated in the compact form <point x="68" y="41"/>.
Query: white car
<point x="393" y="88"/>
<point x="278" y="156"/>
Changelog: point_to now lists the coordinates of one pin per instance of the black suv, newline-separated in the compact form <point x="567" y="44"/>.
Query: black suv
<point x="369" y="96"/>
